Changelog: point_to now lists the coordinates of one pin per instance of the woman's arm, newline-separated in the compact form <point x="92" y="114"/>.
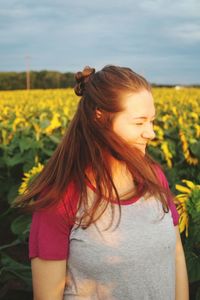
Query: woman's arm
<point x="48" y="277"/>
<point x="182" y="285"/>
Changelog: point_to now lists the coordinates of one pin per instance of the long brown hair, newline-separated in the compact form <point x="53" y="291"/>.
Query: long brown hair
<point x="90" y="142"/>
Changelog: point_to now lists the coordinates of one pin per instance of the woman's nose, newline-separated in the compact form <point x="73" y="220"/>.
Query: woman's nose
<point x="149" y="133"/>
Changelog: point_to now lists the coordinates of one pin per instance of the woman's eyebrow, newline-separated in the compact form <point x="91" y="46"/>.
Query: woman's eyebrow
<point x="143" y="117"/>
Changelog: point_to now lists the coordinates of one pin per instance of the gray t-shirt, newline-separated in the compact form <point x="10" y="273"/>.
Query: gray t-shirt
<point x="136" y="261"/>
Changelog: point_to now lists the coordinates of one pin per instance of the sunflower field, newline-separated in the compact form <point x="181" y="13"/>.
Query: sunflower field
<point x="32" y="124"/>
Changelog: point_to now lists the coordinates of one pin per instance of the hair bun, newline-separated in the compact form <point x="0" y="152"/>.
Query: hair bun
<point x="81" y="79"/>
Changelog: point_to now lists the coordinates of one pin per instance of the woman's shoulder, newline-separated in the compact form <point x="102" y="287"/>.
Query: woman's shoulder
<point x="62" y="208"/>
<point x="51" y="226"/>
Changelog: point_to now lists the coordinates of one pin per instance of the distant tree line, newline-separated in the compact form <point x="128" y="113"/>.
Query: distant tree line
<point x="46" y="80"/>
<point x="38" y="80"/>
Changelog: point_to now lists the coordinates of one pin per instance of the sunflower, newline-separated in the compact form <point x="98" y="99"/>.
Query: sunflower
<point x="29" y="176"/>
<point x="183" y="201"/>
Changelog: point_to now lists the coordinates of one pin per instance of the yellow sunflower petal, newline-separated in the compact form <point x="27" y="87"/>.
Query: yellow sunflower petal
<point x="182" y="196"/>
<point x="182" y="222"/>
<point x="186" y="233"/>
<point x="189" y="183"/>
<point x="182" y="189"/>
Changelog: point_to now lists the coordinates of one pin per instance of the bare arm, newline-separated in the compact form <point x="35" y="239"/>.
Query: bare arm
<point x="48" y="277"/>
<point x="182" y="285"/>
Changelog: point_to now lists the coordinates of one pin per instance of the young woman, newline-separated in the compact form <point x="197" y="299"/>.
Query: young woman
<point x="105" y="225"/>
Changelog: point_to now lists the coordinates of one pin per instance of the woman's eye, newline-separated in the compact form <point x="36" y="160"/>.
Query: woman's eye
<point x="142" y="123"/>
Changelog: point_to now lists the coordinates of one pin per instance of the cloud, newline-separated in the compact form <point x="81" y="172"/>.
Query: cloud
<point x="171" y="8"/>
<point x="147" y="35"/>
<point x="187" y="32"/>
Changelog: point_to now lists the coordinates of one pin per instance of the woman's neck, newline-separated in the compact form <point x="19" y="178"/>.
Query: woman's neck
<point x="121" y="176"/>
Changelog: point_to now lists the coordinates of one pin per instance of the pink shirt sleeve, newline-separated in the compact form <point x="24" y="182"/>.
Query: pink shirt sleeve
<point x="174" y="212"/>
<point x="50" y="229"/>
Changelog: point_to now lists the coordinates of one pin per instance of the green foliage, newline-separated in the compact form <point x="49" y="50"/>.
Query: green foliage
<point x="21" y="227"/>
<point x="192" y="243"/>
<point x="11" y="269"/>
<point x="38" y="80"/>
<point x="195" y="149"/>
<point x="14" y="273"/>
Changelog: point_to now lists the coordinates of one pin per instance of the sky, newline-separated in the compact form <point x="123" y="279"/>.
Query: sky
<point x="159" y="39"/>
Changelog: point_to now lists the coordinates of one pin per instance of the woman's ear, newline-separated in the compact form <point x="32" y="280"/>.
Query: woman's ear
<point x="98" y="114"/>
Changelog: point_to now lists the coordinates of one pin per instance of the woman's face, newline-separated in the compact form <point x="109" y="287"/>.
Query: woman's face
<point x="135" y="122"/>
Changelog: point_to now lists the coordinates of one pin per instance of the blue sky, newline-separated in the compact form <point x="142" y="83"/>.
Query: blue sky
<point x="159" y="39"/>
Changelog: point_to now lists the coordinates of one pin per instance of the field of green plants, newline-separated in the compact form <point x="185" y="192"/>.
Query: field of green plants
<point x="31" y="126"/>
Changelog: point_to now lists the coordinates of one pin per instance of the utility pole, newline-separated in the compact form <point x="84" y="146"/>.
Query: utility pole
<point x="28" y="85"/>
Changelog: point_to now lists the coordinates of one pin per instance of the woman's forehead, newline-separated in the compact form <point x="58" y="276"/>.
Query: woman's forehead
<point x="139" y="105"/>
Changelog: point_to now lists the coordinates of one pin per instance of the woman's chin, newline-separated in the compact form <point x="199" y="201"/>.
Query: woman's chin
<point x="141" y="148"/>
